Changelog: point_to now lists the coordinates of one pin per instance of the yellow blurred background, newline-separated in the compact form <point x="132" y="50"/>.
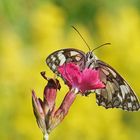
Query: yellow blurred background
<point x="31" y="29"/>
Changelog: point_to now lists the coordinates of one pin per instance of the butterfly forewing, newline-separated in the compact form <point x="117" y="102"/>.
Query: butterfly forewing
<point x="117" y="93"/>
<point x="60" y="57"/>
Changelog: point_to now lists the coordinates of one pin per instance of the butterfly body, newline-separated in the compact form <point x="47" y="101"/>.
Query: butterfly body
<point x="117" y="92"/>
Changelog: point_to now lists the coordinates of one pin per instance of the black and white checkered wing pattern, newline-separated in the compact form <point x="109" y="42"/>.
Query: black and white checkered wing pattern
<point x="63" y="56"/>
<point x="117" y="93"/>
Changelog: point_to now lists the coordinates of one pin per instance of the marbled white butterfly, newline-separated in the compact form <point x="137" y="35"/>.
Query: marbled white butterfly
<point x="117" y="92"/>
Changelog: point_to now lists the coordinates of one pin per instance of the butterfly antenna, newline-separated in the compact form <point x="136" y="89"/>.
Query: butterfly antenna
<point x="81" y="37"/>
<point x="101" y="46"/>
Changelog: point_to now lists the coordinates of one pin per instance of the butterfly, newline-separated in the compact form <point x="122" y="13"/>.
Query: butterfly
<point x="117" y="92"/>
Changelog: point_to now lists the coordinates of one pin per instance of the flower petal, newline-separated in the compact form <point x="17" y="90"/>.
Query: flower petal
<point x="90" y="80"/>
<point x="71" y="73"/>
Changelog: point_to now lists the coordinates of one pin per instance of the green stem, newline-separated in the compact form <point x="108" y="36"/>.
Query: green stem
<point x="46" y="136"/>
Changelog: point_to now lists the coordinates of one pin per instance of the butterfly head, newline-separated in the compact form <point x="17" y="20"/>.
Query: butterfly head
<point x="90" y="56"/>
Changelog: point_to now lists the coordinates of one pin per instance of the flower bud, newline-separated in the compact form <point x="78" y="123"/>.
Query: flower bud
<point x="38" y="112"/>
<point x="50" y="93"/>
<point x="62" y="111"/>
<point x="47" y="116"/>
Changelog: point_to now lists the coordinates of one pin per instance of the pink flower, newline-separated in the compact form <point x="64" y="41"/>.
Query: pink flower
<point x="45" y="111"/>
<point x="83" y="81"/>
<point x="47" y="116"/>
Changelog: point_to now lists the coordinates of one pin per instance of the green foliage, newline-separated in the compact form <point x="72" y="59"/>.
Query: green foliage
<point x="31" y="30"/>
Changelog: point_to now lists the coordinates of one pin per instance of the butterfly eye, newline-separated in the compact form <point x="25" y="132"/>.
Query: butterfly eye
<point x="90" y="56"/>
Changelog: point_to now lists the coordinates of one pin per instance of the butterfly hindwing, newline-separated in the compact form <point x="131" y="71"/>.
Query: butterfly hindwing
<point x="117" y="93"/>
<point x="62" y="56"/>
